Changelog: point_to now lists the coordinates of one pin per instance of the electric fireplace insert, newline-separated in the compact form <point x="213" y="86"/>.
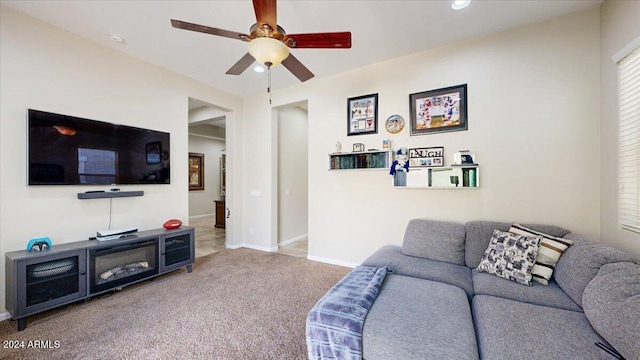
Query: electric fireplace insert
<point x="112" y="267"/>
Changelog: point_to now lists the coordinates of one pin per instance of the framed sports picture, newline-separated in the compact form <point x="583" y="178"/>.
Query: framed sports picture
<point x="439" y="110"/>
<point x="362" y="115"/>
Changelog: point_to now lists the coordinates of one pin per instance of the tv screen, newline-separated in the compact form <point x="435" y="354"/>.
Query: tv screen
<point x="66" y="150"/>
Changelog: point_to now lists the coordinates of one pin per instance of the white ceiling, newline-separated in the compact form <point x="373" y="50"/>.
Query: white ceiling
<point x="381" y="30"/>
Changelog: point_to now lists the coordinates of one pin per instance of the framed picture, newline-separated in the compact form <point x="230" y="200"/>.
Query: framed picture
<point x="439" y="110"/>
<point x="394" y="124"/>
<point x="154" y="152"/>
<point x="426" y="157"/>
<point x="196" y="171"/>
<point x="358" y="147"/>
<point x="362" y="115"/>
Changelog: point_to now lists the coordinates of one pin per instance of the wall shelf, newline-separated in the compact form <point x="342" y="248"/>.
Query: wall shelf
<point x="108" y="194"/>
<point x="360" y="160"/>
<point x="467" y="176"/>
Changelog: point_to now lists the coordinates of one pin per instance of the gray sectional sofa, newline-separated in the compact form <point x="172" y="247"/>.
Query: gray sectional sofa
<point x="434" y="304"/>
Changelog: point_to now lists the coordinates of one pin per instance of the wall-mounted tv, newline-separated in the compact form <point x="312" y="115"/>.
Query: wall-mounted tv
<point x="67" y="150"/>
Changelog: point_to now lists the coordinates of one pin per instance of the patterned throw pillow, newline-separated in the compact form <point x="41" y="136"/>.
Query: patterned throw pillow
<point x="510" y="256"/>
<point x="549" y="252"/>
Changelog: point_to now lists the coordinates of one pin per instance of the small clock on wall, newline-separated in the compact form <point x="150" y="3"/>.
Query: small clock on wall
<point x="394" y="124"/>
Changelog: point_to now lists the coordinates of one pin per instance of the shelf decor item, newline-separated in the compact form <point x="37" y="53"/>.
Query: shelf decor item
<point x="426" y="157"/>
<point x="358" y="147"/>
<point x="362" y="115"/>
<point x="394" y="124"/>
<point x="464" y="157"/>
<point x="196" y="171"/>
<point x="439" y="110"/>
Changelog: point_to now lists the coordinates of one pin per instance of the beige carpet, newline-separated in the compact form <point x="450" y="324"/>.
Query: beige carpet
<point x="237" y="304"/>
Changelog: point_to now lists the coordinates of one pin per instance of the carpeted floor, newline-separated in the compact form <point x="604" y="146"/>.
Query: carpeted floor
<point x="236" y="304"/>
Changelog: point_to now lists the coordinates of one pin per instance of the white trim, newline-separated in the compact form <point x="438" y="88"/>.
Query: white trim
<point x="5" y="316"/>
<point x="294" y="239"/>
<point x="200" y="216"/>
<point x="254" y="247"/>
<point x="634" y="44"/>
<point x="332" y="261"/>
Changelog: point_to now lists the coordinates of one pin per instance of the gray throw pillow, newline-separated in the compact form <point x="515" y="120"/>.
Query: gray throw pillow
<point x="611" y="302"/>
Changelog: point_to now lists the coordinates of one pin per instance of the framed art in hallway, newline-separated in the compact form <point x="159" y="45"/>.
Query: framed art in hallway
<point x="440" y="110"/>
<point x="196" y="171"/>
<point x="362" y="115"/>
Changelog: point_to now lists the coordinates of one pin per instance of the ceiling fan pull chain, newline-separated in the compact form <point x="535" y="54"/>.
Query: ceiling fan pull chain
<point x="268" y="64"/>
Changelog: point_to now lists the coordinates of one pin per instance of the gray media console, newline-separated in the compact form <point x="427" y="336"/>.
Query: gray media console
<point x="37" y="281"/>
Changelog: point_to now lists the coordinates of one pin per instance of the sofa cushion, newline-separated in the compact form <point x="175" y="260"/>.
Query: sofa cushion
<point x="510" y="256"/>
<point x="392" y="257"/>
<point x="435" y="240"/>
<point x="580" y="264"/>
<point x="547" y="295"/>
<point x="611" y="302"/>
<point x="479" y="235"/>
<point x="419" y="319"/>
<point x="549" y="251"/>
<point x="512" y="329"/>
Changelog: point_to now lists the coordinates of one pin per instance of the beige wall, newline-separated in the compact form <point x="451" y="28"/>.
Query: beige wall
<point x="292" y="174"/>
<point x="620" y="24"/>
<point x="201" y="202"/>
<point x="46" y="68"/>
<point x="534" y="115"/>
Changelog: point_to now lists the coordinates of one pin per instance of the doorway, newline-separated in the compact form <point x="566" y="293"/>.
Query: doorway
<point x="292" y="174"/>
<point x="207" y="201"/>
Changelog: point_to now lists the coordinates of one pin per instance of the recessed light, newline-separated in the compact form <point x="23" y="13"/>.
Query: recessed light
<point x="258" y="69"/>
<point x="460" y="4"/>
<point x="116" y="38"/>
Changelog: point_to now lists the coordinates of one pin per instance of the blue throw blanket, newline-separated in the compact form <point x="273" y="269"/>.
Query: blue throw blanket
<point x="334" y="325"/>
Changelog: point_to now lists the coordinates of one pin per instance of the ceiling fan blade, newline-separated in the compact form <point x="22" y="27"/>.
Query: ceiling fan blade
<point x="242" y="65"/>
<point x="266" y="13"/>
<point x="295" y="66"/>
<point x="178" y="24"/>
<point x="329" y="40"/>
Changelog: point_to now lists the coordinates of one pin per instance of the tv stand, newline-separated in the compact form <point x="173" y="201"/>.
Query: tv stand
<point x="38" y="281"/>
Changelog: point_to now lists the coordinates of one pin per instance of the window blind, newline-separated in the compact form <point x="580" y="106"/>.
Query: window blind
<point x="629" y="136"/>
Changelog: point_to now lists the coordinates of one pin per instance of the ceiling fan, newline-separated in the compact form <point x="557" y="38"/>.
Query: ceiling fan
<point x="269" y="44"/>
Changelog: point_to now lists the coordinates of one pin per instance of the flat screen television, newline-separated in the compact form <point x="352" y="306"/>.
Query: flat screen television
<point x="67" y="150"/>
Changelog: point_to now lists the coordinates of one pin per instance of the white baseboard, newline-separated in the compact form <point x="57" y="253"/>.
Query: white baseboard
<point x="294" y="239"/>
<point x="200" y="216"/>
<point x="254" y="247"/>
<point x="4" y="316"/>
<point x="332" y="261"/>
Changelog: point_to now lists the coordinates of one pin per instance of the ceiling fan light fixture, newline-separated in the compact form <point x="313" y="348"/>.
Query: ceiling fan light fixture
<point x="266" y="49"/>
<point x="460" y="4"/>
<point x="258" y="69"/>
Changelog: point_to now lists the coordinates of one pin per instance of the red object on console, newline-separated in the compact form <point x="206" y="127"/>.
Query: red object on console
<point x="172" y="224"/>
